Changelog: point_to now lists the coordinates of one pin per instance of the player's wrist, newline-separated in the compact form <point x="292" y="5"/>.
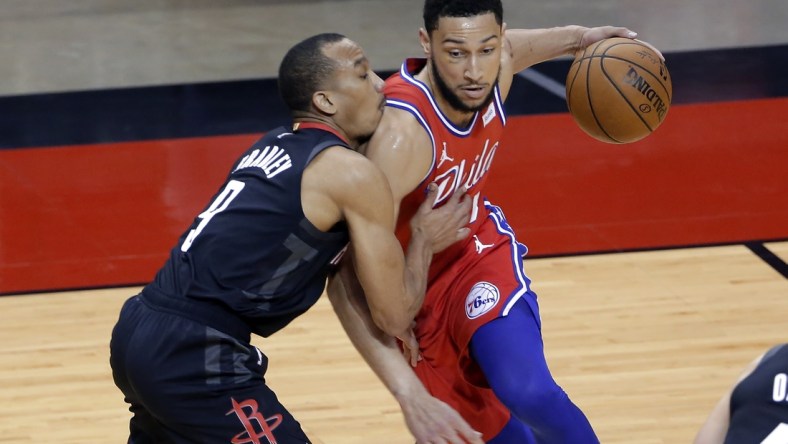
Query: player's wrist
<point x="574" y="38"/>
<point x="408" y="389"/>
<point x="420" y="239"/>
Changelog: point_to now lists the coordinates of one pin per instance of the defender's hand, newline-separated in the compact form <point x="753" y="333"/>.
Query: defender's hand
<point x="410" y="346"/>
<point x="432" y="421"/>
<point x="445" y="225"/>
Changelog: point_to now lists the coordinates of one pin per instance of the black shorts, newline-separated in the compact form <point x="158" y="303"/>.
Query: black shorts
<point x="190" y="380"/>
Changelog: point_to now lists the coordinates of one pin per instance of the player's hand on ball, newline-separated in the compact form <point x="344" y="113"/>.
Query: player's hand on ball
<point x="618" y="90"/>
<point x="593" y="35"/>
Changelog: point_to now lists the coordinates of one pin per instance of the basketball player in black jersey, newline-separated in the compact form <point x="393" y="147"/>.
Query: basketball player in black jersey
<point x="755" y="410"/>
<point x="259" y="255"/>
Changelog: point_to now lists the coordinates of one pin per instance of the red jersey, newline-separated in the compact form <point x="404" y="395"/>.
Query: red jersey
<point x="460" y="156"/>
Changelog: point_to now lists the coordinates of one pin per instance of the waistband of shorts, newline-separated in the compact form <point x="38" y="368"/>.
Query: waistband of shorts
<point x="211" y="314"/>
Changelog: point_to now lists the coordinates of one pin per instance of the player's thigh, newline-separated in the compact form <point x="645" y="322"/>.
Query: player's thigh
<point x="488" y="291"/>
<point x="251" y="414"/>
<point x="202" y="385"/>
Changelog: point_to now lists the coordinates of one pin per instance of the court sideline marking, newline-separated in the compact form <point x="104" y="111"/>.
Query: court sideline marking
<point x="769" y="257"/>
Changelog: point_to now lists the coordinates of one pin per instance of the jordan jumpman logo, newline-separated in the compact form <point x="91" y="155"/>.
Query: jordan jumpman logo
<point x="444" y="156"/>
<point x="479" y="245"/>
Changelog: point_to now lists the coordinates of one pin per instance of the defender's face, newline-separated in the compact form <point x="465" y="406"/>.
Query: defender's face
<point x="355" y="90"/>
<point x="465" y="53"/>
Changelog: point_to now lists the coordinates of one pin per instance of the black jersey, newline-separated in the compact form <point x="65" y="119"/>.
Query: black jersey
<point x="759" y="403"/>
<point x="252" y="250"/>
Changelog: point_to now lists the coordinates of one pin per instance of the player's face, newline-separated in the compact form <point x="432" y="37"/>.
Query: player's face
<point x="465" y="54"/>
<point x="355" y="90"/>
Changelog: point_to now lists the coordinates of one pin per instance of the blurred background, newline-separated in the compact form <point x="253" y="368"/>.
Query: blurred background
<point x="145" y="99"/>
<point x="50" y="45"/>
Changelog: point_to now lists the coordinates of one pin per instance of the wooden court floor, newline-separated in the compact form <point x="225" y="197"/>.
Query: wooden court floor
<point x="644" y="342"/>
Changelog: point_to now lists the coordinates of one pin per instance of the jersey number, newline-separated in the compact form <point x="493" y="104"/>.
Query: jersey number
<point x="220" y="204"/>
<point x="475" y="211"/>
<point x="779" y="389"/>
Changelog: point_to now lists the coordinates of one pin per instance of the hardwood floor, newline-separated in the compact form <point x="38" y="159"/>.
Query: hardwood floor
<point x="644" y="342"/>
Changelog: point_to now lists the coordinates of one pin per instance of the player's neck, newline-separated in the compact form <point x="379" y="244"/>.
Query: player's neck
<point x="459" y="118"/>
<point x="320" y="122"/>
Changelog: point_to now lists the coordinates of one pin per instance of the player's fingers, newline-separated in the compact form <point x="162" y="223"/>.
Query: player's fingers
<point x="461" y="433"/>
<point x="473" y="437"/>
<point x="618" y="31"/>
<point x="459" y="193"/>
<point x="407" y="353"/>
<point x="467" y="202"/>
<point x="461" y="203"/>
<point x="629" y="34"/>
<point x="457" y="198"/>
<point x="451" y="437"/>
<point x="452" y="429"/>
<point x="466" y="434"/>
<point x="657" y="51"/>
<point x="432" y="194"/>
<point x="413" y="357"/>
<point x="462" y="213"/>
<point x="411" y="346"/>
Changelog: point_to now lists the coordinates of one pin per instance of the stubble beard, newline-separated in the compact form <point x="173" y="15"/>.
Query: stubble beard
<point x="451" y="97"/>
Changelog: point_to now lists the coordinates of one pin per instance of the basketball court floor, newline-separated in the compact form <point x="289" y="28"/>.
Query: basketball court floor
<point x="660" y="265"/>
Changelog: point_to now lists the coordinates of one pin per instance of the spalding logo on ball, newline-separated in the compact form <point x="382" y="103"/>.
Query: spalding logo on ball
<point x="618" y="90"/>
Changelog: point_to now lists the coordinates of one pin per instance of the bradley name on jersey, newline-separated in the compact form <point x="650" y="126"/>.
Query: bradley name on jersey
<point x="272" y="160"/>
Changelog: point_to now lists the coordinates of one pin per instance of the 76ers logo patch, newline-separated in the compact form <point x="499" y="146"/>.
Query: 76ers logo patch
<point x="481" y="299"/>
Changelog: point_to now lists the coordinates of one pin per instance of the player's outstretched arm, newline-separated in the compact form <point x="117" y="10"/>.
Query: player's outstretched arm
<point x="428" y="419"/>
<point x="532" y="46"/>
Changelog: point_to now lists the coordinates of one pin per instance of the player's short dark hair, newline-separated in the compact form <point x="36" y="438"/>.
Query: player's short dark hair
<point x="435" y="9"/>
<point x="304" y="70"/>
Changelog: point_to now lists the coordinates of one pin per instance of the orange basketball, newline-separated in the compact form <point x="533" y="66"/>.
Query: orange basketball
<point x="618" y="90"/>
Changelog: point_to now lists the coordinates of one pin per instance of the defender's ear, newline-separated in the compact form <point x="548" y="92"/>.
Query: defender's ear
<point x="322" y="101"/>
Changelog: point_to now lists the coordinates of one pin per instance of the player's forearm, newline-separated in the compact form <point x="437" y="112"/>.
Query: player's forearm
<point x="378" y="349"/>
<point x="417" y="266"/>
<point x="532" y="46"/>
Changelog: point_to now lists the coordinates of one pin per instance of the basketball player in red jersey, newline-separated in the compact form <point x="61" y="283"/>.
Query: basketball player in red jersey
<point x="479" y="328"/>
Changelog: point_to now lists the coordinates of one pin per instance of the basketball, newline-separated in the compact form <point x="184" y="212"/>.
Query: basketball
<point x="618" y="90"/>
